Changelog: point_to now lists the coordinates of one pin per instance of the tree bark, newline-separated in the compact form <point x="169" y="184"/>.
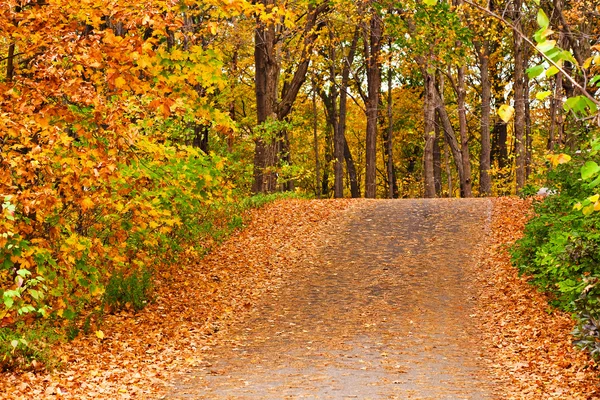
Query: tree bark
<point x="519" y="95"/>
<point x="372" y="54"/>
<point x="340" y="131"/>
<point x="429" y="135"/>
<point x="464" y="134"/>
<point x="391" y="175"/>
<point x="316" y="144"/>
<point x="485" y="164"/>
<point x="451" y="139"/>
<point x="437" y="159"/>
<point x="352" y="175"/>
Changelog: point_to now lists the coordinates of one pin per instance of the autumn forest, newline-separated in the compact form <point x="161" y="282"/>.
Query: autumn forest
<point x="137" y="135"/>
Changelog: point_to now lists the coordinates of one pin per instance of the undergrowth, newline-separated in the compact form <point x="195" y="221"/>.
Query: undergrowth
<point x="25" y="343"/>
<point x="560" y="249"/>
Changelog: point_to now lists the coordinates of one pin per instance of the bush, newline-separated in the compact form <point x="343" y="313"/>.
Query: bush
<point x="129" y="291"/>
<point x="560" y="249"/>
<point x="26" y="347"/>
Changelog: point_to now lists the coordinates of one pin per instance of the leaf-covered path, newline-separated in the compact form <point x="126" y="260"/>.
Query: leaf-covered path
<point x="336" y="299"/>
<point x="382" y="310"/>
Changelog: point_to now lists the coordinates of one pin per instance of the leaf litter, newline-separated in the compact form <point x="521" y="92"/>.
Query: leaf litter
<point x="530" y="344"/>
<point x="527" y="345"/>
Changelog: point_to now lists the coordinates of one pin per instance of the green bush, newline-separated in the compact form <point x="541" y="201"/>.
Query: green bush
<point x="560" y="249"/>
<point x="26" y="347"/>
<point x="129" y="291"/>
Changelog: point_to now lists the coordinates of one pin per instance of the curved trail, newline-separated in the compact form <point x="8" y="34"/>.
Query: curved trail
<point x="383" y="311"/>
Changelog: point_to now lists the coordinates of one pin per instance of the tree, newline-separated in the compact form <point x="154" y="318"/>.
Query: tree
<point x="372" y="37"/>
<point x="273" y="107"/>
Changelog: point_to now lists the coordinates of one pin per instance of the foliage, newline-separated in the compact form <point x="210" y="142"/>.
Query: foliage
<point x="26" y="346"/>
<point x="131" y="290"/>
<point x="561" y="244"/>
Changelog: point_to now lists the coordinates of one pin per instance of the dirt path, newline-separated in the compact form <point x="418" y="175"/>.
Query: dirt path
<point x="382" y="311"/>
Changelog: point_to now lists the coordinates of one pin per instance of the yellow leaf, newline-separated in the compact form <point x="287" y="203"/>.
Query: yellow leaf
<point x="594" y="198"/>
<point x="87" y="203"/>
<point x="577" y="206"/>
<point x="597" y="206"/>
<point x="563" y="158"/>
<point x="120" y="82"/>
<point x="556" y="159"/>
<point x="506" y="112"/>
<point x="100" y="334"/>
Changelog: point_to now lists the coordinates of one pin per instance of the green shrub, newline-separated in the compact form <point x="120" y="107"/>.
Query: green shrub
<point x="560" y="248"/>
<point x="26" y="347"/>
<point x="131" y="290"/>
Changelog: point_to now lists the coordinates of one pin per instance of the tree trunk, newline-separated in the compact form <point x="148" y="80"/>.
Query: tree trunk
<point x="499" y="148"/>
<point x="464" y="134"/>
<point x="519" y="95"/>
<point x="266" y="67"/>
<point x="200" y="138"/>
<point x="352" y="175"/>
<point x="429" y="135"/>
<point x="437" y="160"/>
<point x="461" y="94"/>
<point x="340" y="132"/>
<point x="372" y="54"/>
<point x="316" y="144"/>
<point x="391" y="175"/>
<point x="451" y="139"/>
<point x="485" y="181"/>
<point x="267" y="47"/>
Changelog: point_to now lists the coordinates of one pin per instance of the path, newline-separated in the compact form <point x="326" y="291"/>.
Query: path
<point x="383" y="311"/>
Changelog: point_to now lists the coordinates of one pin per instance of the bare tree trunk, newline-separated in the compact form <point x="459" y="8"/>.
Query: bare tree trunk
<point x="448" y="167"/>
<point x="340" y="133"/>
<point x="392" y="186"/>
<point x="316" y="144"/>
<point x="464" y="134"/>
<point x="519" y="92"/>
<point x="372" y="53"/>
<point x="451" y="139"/>
<point x="352" y="175"/>
<point x="429" y="135"/>
<point x="528" y="137"/>
<point x="10" y="64"/>
<point x="266" y="79"/>
<point x="465" y="186"/>
<point x="437" y="159"/>
<point x="485" y="181"/>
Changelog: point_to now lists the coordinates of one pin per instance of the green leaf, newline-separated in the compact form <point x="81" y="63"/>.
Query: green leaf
<point x="542" y="95"/>
<point x="589" y="169"/>
<point x="542" y="19"/>
<point x="580" y="105"/>
<point x="567" y="56"/>
<point x="8" y="302"/>
<point x="536" y="71"/>
<point x="546" y="45"/>
<point x="23" y="272"/>
<point x="594" y="183"/>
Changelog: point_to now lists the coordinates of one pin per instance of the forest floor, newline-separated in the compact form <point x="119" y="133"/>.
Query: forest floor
<point x="337" y="299"/>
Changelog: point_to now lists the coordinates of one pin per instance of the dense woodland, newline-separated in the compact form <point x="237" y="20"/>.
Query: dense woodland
<point x="131" y="131"/>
